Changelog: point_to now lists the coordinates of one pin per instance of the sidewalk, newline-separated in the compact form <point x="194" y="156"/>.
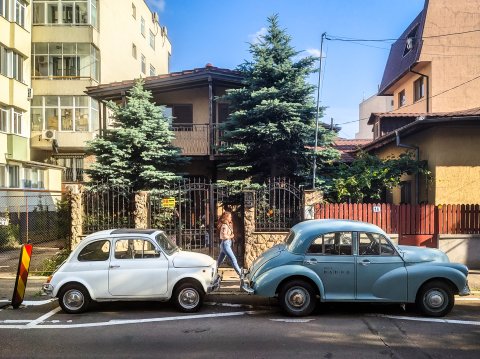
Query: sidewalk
<point x="230" y="285"/>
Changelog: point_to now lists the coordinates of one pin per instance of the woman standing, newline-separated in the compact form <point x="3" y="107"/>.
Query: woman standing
<point x="225" y="228"/>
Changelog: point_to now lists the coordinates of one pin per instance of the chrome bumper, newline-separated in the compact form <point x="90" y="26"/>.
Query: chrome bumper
<point x="47" y="288"/>
<point x="465" y="291"/>
<point x="215" y="285"/>
<point x="245" y="285"/>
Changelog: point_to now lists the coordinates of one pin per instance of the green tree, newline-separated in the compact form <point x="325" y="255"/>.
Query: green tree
<point x="272" y="118"/>
<point x="367" y="177"/>
<point x="138" y="150"/>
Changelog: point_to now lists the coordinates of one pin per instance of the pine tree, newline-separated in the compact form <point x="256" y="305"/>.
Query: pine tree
<point x="272" y="118"/>
<point x="138" y="150"/>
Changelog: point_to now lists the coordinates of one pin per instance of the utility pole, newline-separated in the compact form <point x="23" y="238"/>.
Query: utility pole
<point x="318" y="111"/>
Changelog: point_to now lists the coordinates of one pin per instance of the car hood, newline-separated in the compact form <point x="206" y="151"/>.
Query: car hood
<point x="183" y="259"/>
<point x="266" y="257"/>
<point x="413" y="254"/>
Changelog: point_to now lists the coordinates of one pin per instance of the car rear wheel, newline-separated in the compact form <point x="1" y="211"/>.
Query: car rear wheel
<point x="297" y="298"/>
<point x="74" y="298"/>
<point x="188" y="297"/>
<point x="435" y="299"/>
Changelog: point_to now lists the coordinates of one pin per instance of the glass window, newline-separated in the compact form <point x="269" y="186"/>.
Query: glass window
<point x="402" y="99"/>
<point x="3" y="180"/>
<point x="144" y="64"/>
<point x="17" y="123"/>
<point x="39" y="13"/>
<point x="36" y="119"/>
<point x="2" y="7"/>
<point x="153" y="72"/>
<point x="338" y="243"/>
<point x="374" y="244"/>
<point x="3" y="61"/>
<point x="51" y="115"/>
<point x="418" y="89"/>
<point x="134" y="51"/>
<point x="142" y="26"/>
<point x="93" y="13"/>
<point x="96" y="251"/>
<point x="135" y="249"/>
<point x="134" y="11"/>
<point x="13" y="176"/>
<point x="152" y="40"/>
<point x="3" y="120"/>
<point x="20" y="9"/>
<point x="52" y="13"/>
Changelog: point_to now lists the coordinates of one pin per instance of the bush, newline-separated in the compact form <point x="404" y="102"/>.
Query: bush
<point x="9" y="236"/>
<point x="49" y="265"/>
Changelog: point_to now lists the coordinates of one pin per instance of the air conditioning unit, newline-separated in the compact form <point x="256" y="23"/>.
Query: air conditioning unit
<point x="29" y="93"/>
<point x="49" y="135"/>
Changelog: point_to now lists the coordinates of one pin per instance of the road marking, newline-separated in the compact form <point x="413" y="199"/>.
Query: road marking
<point x="29" y="303"/>
<point x="34" y="324"/>
<point x="431" y="320"/>
<point x="292" y="320"/>
<point x="43" y="317"/>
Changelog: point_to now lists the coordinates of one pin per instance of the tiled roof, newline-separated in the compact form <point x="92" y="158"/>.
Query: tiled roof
<point x="347" y="147"/>
<point x="385" y="115"/>
<point x="399" y="63"/>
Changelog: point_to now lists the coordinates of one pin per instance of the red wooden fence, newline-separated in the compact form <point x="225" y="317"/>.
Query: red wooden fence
<point x="409" y="220"/>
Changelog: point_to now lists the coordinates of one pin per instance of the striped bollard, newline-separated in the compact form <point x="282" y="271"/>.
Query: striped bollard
<point x="22" y="275"/>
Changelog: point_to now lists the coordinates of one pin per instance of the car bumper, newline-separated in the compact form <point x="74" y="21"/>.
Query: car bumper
<point x="215" y="284"/>
<point x="47" y="288"/>
<point x="245" y="283"/>
<point x="465" y="291"/>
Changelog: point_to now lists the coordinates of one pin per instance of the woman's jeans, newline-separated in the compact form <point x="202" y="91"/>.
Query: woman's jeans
<point x="226" y="250"/>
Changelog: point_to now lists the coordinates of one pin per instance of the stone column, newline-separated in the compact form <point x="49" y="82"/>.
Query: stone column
<point x="141" y="210"/>
<point x="249" y="222"/>
<point x="311" y="197"/>
<point x="77" y="215"/>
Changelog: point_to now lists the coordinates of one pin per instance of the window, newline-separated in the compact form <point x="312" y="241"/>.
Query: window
<point x="13" y="176"/>
<point x="134" y="11"/>
<point x="73" y="12"/>
<point x="182" y="114"/>
<point x="3" y="119"/>
<point x="418" y="89"/>
<point x="402" y="99"/>
<point x="135" y="249"/>
<point x="153" y="72"/>
<point x="63" y="113"/>
<point x="134" y="51"/>
<point x="2" y="7"/>
<point x="3" y="61"/>
<point x="20" y="9"/>
<point x="73" y="167"/>
<point x="410" y="40"/>
<point x="65" y="60"/>
<point x="17" y="123"/>
<point x="142" y="26"/>
<point x="374" y="244"/>
<point x="152" y="40"/>
<point x="406" y="192"/>
<point x="144" y="64"/>
<point x="96" y="251"/>
<point x="11" y="64"/>
<point x="338" y="243"/>
<point x="3" y="180"/>
<point x="17" y="66"/>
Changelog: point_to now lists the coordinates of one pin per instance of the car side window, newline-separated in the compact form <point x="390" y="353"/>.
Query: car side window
<point x="135" y="249"/>
<point x="374" y="244"/>
<point x="336" y="243"/>
<point x="95" y="251"/>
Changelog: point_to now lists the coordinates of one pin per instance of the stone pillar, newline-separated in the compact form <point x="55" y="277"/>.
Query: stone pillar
<point x="311" y="197"/>
<point x="249" y="222"/>
<point x="77" y="215"/>
<point x="141" y="210"/>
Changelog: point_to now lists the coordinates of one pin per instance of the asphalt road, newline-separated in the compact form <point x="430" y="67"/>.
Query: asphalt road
<point x="235" y="326"/>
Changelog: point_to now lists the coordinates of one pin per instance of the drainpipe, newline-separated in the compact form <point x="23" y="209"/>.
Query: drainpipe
<point x="417" y="156"/>
<point x="427" y="91"/>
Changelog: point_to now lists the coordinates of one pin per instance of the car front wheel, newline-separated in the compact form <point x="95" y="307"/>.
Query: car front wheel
<point x="297" y="298"/>
<point x="74" y="298"/>
<point x="188" y="297"/>
<point x="435" y="299"/>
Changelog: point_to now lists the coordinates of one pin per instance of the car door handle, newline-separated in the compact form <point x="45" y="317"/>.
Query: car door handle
<point x="114" y="266"/>
<point x="365" y="262"/>
<point x="311" y="261"/>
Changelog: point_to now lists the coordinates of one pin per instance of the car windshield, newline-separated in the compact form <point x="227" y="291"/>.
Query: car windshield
<point x="167" y="245"/>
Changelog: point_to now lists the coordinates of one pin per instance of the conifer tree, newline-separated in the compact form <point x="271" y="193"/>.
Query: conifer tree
<point x="272" y="118"/>
<point x="138" y="150"/>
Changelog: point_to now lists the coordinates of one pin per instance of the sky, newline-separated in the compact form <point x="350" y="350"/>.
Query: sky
<point x="220" y="31"/>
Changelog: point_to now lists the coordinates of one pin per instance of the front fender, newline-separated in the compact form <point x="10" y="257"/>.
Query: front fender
<point x="419" y="274"/>
<point x="266" y="284"/>
<point x="68" y="280"/>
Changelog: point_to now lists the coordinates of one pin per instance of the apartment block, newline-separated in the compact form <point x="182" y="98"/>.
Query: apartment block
<point x="79" y="44"/>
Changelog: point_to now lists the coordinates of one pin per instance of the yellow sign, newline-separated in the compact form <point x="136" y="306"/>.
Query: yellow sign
<point x="168" y="202"/>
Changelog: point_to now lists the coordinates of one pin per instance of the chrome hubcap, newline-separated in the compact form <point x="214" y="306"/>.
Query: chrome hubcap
<point x="297" y="297"/>
<point x="435" y="299"/>
<point x="73" y="299"/>
<point x="189" y="298"/>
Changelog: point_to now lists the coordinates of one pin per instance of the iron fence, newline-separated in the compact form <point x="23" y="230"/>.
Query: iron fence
<point x="278" y="205"/>
<point x="107" y="206"/>
<point x="41" y="218"/>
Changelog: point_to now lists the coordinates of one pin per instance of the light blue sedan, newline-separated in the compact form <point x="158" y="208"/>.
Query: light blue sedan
<point x="351" y="261"/>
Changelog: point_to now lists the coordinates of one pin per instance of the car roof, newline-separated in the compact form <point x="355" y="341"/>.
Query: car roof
<point x="121" y="231"/>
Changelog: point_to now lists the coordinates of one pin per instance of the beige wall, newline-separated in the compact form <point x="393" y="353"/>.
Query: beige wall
<point x="452" y="155"/>
<point x="406" y="83"/>
<point x="366" y="107"/>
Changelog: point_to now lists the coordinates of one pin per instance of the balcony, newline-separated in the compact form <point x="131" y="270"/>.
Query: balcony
<point x="193" y="140"/>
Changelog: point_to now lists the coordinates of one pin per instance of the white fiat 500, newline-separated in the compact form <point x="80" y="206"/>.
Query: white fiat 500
<point x="132" y="264"/>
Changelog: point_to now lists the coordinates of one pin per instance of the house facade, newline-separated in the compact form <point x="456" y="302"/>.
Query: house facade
<point x="79" y="44"/>
<point x="191" y="98"/>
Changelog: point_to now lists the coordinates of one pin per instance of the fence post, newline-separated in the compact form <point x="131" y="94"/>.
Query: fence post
<point x="311" y="197"/>
<point x="249" y="223"/>
<point x="76" y="198"/>
<point x="141" y="210"/>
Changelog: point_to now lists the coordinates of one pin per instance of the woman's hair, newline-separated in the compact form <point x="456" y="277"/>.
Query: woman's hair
<point x="223" y="219"/>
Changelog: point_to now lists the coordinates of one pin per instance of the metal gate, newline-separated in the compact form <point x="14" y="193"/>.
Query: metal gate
<point x="188" y="213"/>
